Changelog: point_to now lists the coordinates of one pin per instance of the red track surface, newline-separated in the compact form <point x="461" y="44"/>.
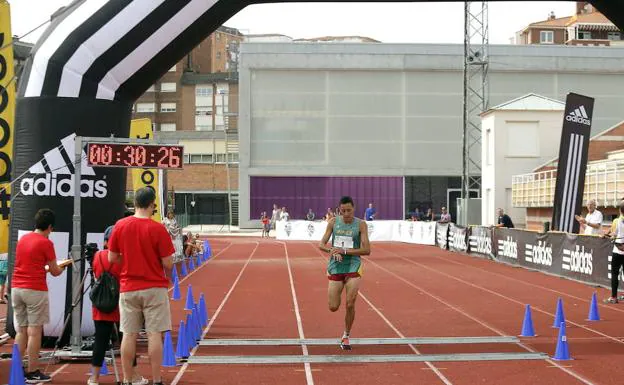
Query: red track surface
<point x="258" y="288"/>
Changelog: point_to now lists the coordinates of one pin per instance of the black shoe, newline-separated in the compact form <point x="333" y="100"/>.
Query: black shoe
<point x="37" y="377"/>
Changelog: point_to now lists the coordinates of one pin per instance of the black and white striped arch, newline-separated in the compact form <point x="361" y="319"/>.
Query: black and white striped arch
<point x="116" y="49"/>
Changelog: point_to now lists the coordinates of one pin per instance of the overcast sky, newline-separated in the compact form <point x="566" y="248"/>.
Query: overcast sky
<point x="387" y="22"/>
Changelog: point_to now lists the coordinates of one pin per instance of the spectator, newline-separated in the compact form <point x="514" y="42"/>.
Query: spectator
<point x="310" y="215"/>
<point x="284" y="216"/>
<point x="616" y="234"/>
<point x="445" y="217"/>
<point x="175" y="231"/>
<point x="429" y="216"/>
<point x="266" y="225"/>
<point x="29" y="290"/>
<point x="370" y="213"/>
<point x="275" y="215"/>
<point x="504" y="220"/>
<point x="106" y="323"/>
<point x="592" y="221"/>
<point x="143" y="248"/>
<point x="329" y="214"/>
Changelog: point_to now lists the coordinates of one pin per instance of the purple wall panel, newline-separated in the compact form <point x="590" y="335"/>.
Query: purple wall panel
<point x="299" y="194"/>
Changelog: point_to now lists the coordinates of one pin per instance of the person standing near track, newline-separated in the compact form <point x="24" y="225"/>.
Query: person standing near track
<point x="349" y="241"/>
<point x="616" y="233"/>
<point x="144" y="249"/>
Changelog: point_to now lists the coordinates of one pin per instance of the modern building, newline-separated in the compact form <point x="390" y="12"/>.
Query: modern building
<point x="516" y="136"/>
<point x="335" y="111"/>
<point x="586" y="27"/>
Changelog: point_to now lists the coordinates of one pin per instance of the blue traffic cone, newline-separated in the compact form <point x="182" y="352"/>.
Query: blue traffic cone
<point x="562" y="353"/>
<point x="190" y="334"/>
<point x="174" y="273"/>
<point x="168" y="359"/>
<point x="527" y="324"/>
<point x="206" y="250"/>
<point x="191" y="264"/>
<point x="559" y="317"/>
<point x="16" y="376"/>
<point x="183" y="271"/>
<point x="593" y="309"/>
<point x="190" y="301"/>
<point x="182" y="350"/>
<point x="199" y="260"/>
<point x="195" y="324"/>
<point x="202" y="310"/>
<point x="198" y="320"/>
<point x="176" y="296"/>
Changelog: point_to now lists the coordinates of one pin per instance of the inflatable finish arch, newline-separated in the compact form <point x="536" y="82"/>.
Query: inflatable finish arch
<point x="96" y="58"/>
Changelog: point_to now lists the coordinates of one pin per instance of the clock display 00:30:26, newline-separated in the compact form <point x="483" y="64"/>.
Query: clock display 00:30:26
<point x="135" y="155"/>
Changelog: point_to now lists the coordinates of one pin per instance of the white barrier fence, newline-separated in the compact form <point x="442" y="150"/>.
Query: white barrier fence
<point x="423" y="233"/>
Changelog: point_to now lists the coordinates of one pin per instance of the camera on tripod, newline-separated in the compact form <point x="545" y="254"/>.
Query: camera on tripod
<point x="89" y="252"/>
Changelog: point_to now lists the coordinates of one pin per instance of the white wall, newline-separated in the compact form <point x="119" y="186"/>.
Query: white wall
<point x="515" y="151"/>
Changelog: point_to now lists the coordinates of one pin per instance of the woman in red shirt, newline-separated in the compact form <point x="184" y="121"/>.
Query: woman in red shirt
<point x="106" y="323"/>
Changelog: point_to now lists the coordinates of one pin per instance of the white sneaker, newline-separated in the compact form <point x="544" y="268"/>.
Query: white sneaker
<point x="140" y="381"/>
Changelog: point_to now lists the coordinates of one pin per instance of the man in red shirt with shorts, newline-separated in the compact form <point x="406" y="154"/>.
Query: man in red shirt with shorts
<point x="144" y="249"/>
<point x="29" y="290"/>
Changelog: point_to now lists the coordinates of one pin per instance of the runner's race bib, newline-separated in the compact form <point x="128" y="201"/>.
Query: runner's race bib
<point x="343" y="242"/>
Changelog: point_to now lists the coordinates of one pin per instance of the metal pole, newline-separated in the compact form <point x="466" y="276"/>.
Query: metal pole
<point x="76" y="337"/>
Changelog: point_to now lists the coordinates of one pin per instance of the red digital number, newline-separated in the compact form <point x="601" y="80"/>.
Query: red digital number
<point x="174" y="157"/>
<point x="95" y="154"/>
<point x="141" y="156"/>
<point x="162" y="161"/>
<point x="130" y="159"/>
<point x="107" y="155"/>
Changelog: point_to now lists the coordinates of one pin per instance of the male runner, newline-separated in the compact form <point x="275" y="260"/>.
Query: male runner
<point x="349" y="241"/>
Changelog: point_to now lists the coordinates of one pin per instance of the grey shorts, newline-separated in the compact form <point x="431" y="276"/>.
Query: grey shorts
<point x="30" y="307"/>
<point x="149" y="306"/>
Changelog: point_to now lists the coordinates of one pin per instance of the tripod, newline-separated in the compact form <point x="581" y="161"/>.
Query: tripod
<point x="58" y="354"/>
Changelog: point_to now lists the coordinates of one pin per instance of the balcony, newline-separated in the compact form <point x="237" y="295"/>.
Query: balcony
<point x="604" y="182"/>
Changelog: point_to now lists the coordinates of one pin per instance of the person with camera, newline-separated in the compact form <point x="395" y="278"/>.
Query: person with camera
<point x="106" y="322"/>
<point x="144" y="249"/>
<point x="34" y="254"/>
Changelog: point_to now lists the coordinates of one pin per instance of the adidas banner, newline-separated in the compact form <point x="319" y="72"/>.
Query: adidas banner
<point x="442" y="232"/>
<point x="480" y="241"/>
<point x="44" y="178"/>
<point x="458" y="238"/>
<point x="572" y="163"/>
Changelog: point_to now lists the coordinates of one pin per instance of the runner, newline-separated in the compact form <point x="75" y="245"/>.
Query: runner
<point x="349" y="241"/>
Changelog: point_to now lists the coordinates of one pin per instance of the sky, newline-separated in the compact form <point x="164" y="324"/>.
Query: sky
<point x="387" y="22"/>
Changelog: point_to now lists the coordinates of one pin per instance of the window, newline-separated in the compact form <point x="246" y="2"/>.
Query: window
<point x="169" y="127"/>
<point x="167" y="87"/>
<point x="187" y="158"/>
<point x="614" y="36"/>
<point x="203" y="110"/>
<point x="233" y="157"/>
<point x="146" y="107"/>
<point x="489" y="147"/>
<point x="203" y="91"/>
<point x="196" y="158"/>
<point x="173" y="69"/>
<point x="206" y="158"/>
<point x="584" y="35"/>
<point x="220" y="158"/>
<point x="203" y="127"/>
<point x="547" y="37"/>
<point x="167" y="107"/>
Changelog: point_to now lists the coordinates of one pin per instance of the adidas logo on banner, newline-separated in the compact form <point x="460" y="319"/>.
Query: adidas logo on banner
<point x="54" y="175"/>
<point x="540" y="254"/>
<point x="578" y="260"/>
<point x="481" y="244"/>
<point x="579" y="115"/>
<point x="508" y="247"/>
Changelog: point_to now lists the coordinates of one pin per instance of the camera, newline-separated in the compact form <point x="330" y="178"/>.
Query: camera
<point x="89" y="251"/>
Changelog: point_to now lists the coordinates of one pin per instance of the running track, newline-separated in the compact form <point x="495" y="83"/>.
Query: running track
<point x="258" y="288"/>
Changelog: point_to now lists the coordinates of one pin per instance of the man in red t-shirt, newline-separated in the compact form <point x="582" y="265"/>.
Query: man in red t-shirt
<point x="144" y="249"/>
<point x="29" y="290"/>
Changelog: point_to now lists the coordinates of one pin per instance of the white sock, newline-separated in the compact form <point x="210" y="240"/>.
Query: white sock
<point x="345" y="335"/>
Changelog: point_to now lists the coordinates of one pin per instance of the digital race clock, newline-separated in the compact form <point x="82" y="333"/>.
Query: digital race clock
<point x="135" y="155"/>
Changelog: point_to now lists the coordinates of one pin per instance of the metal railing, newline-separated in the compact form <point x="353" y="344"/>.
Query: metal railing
<point x="604" y="182"/>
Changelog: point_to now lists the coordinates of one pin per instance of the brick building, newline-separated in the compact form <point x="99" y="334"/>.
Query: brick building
<point x="586" y="27"/>
<point x="196" y="103"/>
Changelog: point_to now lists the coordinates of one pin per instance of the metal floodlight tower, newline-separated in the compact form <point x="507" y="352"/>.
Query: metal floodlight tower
<point x="476" y="94"/>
